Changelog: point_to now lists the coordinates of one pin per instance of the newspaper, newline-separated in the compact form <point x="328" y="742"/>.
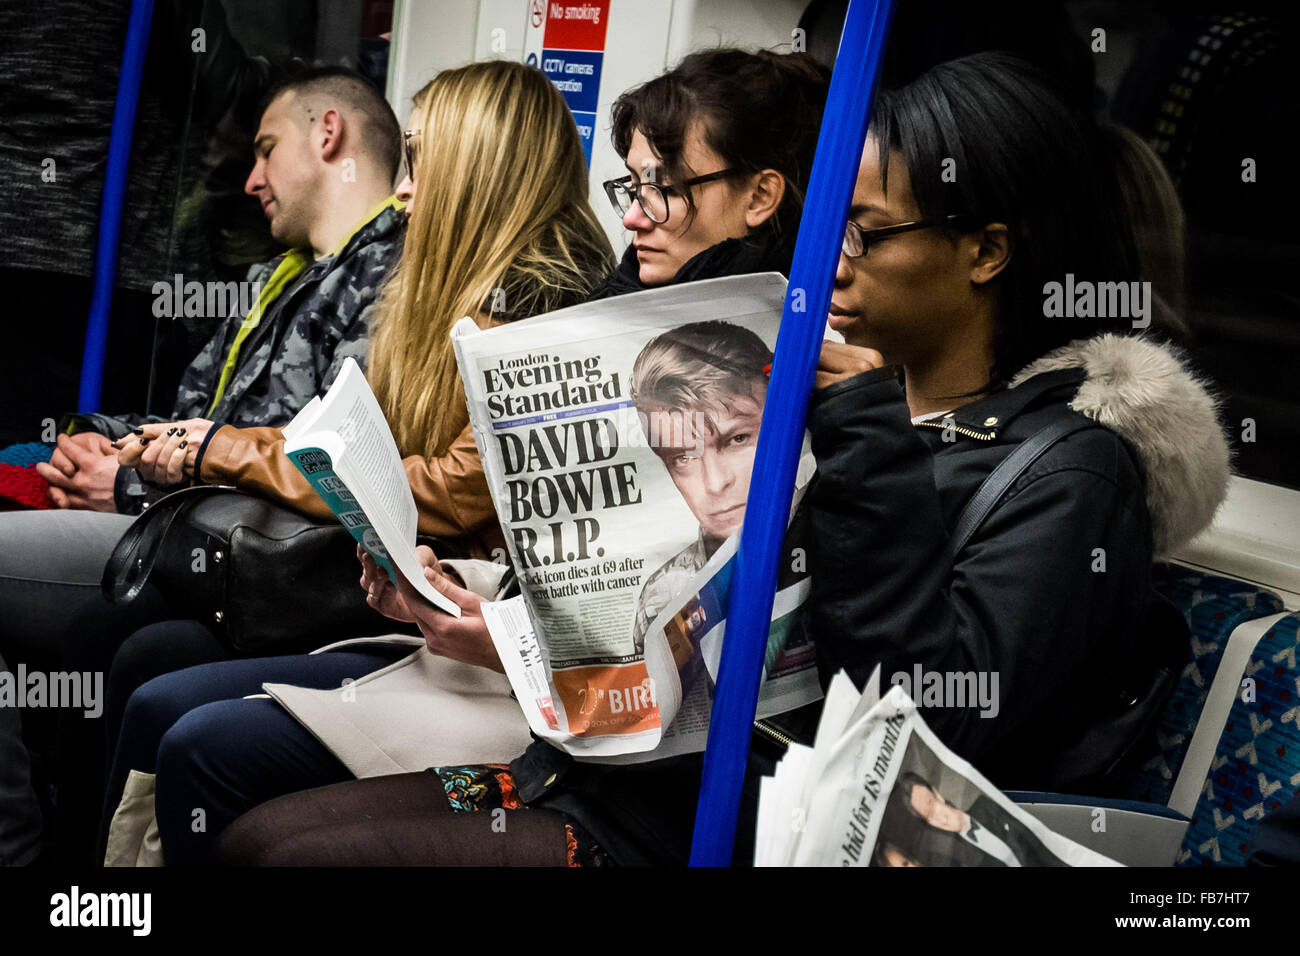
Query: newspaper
<point x="617" y="438"/>
<point x="342" y="445"/>
<point x="877" y="788"/>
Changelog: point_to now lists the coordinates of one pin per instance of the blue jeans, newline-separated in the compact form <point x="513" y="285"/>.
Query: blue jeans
<point x="217" y="755"/>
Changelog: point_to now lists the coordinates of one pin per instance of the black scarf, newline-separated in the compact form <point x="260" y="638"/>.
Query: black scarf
<point x="766" y="249"/>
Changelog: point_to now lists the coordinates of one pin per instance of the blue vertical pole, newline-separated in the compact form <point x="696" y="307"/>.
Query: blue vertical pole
<point x="110" y="208"/>
<point x="821" y="231"/>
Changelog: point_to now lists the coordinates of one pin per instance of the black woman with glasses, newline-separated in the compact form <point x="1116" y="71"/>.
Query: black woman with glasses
<point x="718" y="152"/>
<point x="1091" y="447"/>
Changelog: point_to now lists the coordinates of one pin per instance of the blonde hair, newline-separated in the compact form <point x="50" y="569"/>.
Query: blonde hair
<point x="500" y="225"/>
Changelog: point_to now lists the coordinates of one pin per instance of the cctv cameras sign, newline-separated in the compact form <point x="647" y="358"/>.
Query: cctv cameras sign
<point x="566" y="41"/>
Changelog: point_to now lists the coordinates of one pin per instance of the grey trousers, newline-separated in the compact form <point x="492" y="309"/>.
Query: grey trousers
<point x="20" y="814"/>
<point x="50" y="566"/>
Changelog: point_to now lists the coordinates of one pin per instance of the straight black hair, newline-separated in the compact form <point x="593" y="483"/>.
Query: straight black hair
<point x="986" y="137"/>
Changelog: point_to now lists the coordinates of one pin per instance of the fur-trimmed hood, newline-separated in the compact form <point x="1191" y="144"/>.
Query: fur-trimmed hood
<point x="1142" y="391"/>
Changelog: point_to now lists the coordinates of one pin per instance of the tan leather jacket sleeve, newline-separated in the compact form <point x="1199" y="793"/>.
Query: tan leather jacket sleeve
<point x="451" y="492"/>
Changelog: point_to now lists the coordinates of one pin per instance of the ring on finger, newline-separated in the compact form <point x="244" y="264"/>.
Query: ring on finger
<point x="176" y="461"/>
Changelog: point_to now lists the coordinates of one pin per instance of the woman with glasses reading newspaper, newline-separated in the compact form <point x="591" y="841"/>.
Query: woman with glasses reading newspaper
<point x="745" y="224"/>
<point x="947" y="280"/>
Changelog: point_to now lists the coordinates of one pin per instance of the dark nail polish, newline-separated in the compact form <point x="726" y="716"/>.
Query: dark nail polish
<point x="144" y="441"/>
<point x="138" y="431"/>
<point x="184" y="443"/>
<point x="181" y="432"/>
<point x="171" y="431"/>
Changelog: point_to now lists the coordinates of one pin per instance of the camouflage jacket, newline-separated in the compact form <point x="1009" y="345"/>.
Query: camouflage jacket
<point x="296" y="350"/>
<point x="299" y="346"/>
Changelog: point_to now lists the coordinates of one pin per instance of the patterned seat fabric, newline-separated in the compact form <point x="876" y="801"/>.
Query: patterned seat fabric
<point x="1256" y="768"/>
<point x="1214" y="606"/>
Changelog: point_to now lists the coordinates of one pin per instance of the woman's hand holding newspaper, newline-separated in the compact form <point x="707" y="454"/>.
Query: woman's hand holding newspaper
<point x="465" y="638"/>
<point x="838" y="363"/>
<point x="381" y="594"/>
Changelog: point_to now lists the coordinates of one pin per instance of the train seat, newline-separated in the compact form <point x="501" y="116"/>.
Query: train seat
<point x="1214" y="607"/>
<point x="1229" y="736"/>
<point x="1244" y="757"/>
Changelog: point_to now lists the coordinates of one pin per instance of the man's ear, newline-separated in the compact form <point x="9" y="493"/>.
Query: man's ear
<point x="992" y="253"/>
<point x="331" y="134"/>
<point x="764" y="197"/>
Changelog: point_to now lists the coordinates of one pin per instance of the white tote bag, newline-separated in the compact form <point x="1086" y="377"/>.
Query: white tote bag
<point x="419" y="712"/>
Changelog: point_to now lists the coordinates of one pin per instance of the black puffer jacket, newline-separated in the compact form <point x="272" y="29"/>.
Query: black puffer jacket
<point x="1022" y="599"/>
<point x="1052" y="594"/>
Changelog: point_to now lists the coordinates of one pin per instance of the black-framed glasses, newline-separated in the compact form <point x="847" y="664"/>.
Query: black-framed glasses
<point x="858" y="240"/>
<point x="653" y="197"/>
<point x="409" y="143"/>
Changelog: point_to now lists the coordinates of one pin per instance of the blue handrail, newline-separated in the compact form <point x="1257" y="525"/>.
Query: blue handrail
<point x="821" y="230"/>
<point x="110" y="208"/>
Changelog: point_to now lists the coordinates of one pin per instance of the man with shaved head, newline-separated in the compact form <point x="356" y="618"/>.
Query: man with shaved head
<point x="326" y="157"/>
<point x="327" y="149"/>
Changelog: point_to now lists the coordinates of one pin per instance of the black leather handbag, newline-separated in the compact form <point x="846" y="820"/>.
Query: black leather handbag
<point x="1106" y="757"/>
<point x="265" y="579"/>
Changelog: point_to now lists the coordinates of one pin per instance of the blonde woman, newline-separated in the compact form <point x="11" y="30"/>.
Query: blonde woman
<point x="500" y="228"/>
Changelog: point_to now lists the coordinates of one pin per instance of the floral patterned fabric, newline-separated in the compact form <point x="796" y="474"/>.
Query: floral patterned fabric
<point x="490" y="787"/>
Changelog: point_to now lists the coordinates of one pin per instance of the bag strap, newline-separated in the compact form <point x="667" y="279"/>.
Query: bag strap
<point x="133" y="557"/>
<point x="1007" y="473"/>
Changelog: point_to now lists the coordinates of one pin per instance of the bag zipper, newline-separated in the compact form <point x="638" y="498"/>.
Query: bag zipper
<point x="772" y="733"/>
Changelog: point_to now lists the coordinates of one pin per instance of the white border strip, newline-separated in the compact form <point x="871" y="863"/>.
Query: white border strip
<point x="1218" y="704"/>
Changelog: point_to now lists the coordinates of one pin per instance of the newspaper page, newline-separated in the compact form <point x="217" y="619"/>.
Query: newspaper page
<point x="345" y="450"/>
<point x="878" y="788"/>
<point x="618" y="438"/>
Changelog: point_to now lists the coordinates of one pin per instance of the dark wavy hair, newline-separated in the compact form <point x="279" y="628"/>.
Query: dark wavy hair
<point x="1022" y="157"/>
<point x="757" y="111"/>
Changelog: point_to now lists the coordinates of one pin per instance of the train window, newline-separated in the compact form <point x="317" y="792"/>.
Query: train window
<point x="217" y="230"/>
<point x="1200" y="87"/>
<point x="185" y="213"/>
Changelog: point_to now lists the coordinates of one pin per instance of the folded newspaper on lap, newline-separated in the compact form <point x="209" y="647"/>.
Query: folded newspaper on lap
<point x="877" y="788"/>
<point x="344" y="448"/>
<point x="618" y="438"/>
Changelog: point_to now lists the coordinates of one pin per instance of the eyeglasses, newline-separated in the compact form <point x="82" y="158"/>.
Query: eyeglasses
<point x="653" y="197"/>
<point x="409" y="144"/>
<point x="858" y="240"/>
